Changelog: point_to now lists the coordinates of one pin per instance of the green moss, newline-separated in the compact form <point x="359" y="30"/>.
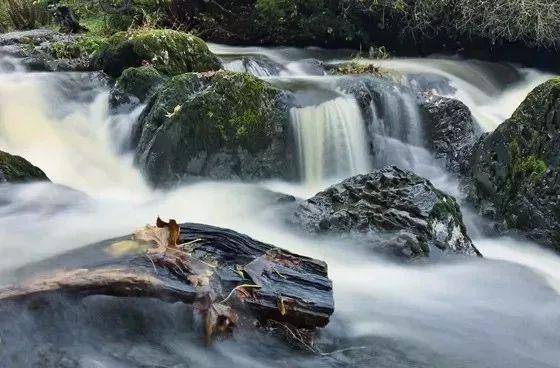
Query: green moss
<point x="532" y="167"/>
<point x="538" y="103"/>
<point x="141" y="82"/>
<point x="91" y="44"/>
<point x="354" y="68"/>
<point x="234" y="109"/>
<point x="16" y="169"/>
<point x="83" y="47"/>
<point x="171" y="52"/>
<point x="197" y="118"/>
<point x="445" y="207"/>
<point x="64" y="50"/>
<point x="96" y="25"/>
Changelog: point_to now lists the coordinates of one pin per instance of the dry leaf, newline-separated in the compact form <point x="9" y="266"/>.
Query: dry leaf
<point x="219" y="319"/>
<point x="199" y="280"/>
<point x="281" y="306"/>
<point x="174" y="231"/>
<point x="158" y="236"/>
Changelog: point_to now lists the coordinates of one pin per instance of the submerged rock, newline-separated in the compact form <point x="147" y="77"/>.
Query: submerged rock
<point x="450" y="130"/>
<point x="395" y="211"/>
<point x="171" y="52"/>
<point x="217" y="125"/>
<point x="16" y="169"/>
<point x="516" y="168"/>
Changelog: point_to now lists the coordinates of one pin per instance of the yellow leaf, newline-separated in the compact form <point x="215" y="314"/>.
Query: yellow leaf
<point x="121" y="248"/>
<point x="158" y="236"/>
<point x="281" y="306"/>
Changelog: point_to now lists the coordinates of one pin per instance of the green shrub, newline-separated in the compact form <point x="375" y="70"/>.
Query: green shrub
<point x="289" y="20"/>
<point x="22" y="14"/>
<point x="530" y="21"/>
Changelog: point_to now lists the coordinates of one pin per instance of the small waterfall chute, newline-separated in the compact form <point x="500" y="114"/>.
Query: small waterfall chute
<point x="395" y="127"/>
<point x="49" y="120"/>
<point x="331" y="140"/>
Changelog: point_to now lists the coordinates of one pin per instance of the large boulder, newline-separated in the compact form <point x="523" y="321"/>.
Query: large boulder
<point x="395" y="211"/>
<point x="171" y="52"/>
<point x="16" y="169"/>
<point x="215" y="125"/>
<point x="450" y="130"/>
<point x="516" y="168"/>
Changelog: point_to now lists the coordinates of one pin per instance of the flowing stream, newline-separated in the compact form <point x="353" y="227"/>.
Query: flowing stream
<point x="331" y="140"/>
<point x="500" y="311"/>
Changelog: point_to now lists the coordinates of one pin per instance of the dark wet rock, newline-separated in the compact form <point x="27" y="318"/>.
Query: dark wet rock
<point x="515" y="173"/>
<point x="16" y="169"/>
<point x="47" y="50"/>
<point x="429" y="83"/>
<point x="217" y="125"/>
<point x="450" y="131"/>
<point x="122" y="102"/>
<point x="396" y="212"/>
<point x="24" y="37"/>
<point x="377" y="96"/>
<point x="170" y="52"/>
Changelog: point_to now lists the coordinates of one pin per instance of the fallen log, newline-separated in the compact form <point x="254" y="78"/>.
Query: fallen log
<point x="228" y="277"/>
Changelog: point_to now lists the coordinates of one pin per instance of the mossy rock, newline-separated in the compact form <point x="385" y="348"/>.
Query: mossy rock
<point x="354" y="68"/>
<point x="170" y="52"/>
<point x="220" y="125"/>
<point x="140" y="82"/>
<point x="516" y="168"/>
<point x="391" y="211"/>
<point x="16" y="169"/>
<point x="64" y="47"/>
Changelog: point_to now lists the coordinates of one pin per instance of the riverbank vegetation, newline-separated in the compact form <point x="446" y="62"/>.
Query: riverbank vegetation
<point x="402" y="25"/>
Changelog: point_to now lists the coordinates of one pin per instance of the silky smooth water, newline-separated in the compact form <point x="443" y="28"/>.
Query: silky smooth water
<point x="500" y="311"/>
<point x="331" y="140"/>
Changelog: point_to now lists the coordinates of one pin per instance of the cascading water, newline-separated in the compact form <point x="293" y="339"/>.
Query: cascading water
<point x="65" y="132"/>
<point x="491" y="91"/>
<point x="501" y="311"/>
<point x="331" y="140"/>
<point x="395" y="127"/>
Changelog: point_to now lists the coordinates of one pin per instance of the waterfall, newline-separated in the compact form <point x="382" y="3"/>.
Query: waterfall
<point x="61" y="123"/>
<point x="397" y="137"/>
<point x="331" y="140"/>
<point x="395" y="127"/>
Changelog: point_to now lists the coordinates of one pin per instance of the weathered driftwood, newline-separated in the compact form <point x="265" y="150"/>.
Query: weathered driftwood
<point x="220" y="271"/>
